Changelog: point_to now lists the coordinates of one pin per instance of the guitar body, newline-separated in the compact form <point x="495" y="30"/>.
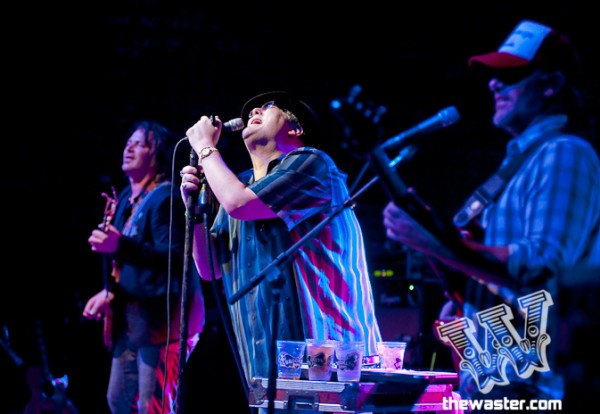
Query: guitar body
<point x="48" y="394"/>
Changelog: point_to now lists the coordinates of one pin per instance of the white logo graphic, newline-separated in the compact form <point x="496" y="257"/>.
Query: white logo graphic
<point x="503" y="345"/>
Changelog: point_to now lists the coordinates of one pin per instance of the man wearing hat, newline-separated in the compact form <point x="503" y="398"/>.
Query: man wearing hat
<point x="538" y="217"/>
<point x="325" y="290"/>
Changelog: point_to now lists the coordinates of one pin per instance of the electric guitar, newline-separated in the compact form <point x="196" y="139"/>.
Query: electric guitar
<point x="48" y="394"/>
<point x="107" y="265"/>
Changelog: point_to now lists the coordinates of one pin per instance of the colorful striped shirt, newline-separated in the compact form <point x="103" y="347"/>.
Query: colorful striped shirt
<point x="325" y="287"/>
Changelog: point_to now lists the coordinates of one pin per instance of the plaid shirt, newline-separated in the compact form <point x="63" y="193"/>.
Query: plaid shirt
<point x="549" y="213"/>
<point x="549" y="217"/>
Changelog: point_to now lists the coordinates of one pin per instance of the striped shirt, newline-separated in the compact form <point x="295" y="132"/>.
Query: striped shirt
<point x="326" y="291"/>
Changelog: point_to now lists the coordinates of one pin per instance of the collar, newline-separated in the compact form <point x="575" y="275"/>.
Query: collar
<point x="248" y="175"/>
<point x="542" y="126"/>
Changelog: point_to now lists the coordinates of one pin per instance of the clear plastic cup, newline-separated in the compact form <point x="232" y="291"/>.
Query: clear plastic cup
<point x="290" y="355"/>
<point x="348" y="356"/>
<point x="320" y="355"/>
<point x="391" y="354"/>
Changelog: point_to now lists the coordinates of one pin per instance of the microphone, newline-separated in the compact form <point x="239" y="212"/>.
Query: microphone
<point x="191" y="201"/>
<point x="203" y="204"/>
<point x="191" y="204"/>
<point x="404" y="155"/>
<point x="233" y="125"/>
<point x="444" y="118"/>
<point x="198" y="203"/>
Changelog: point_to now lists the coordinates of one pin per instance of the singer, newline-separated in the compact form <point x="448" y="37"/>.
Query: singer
<point x="137" y="243"/>
<point x="540" y="223"/>
<point x="292" y="186"/>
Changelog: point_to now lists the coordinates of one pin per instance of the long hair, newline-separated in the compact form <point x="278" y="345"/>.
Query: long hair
<point x="571" y="100"/>
<point x="160" y="139"/>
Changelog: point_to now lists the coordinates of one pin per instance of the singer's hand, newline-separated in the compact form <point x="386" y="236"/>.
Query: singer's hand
<point x="204" y="133"/>
<point x="190" y="183"/>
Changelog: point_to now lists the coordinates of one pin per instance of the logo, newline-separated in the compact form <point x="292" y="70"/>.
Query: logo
<point x="503" y="346"/>
<point x="289" y="361"/>
<point x="319" y="360"/>
<point x="350" y="362"/>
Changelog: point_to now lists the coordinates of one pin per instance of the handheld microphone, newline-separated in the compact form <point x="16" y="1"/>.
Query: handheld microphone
<point x="191" y="200"/>
<point x="230" y="126"/>
<point x="233" y="125"/>
<point x="197" y="202"/>
<point x="444" y="118"/>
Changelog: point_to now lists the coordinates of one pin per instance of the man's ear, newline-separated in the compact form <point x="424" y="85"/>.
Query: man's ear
<point x="554" y="83"/>
<point x="296" y="132"/>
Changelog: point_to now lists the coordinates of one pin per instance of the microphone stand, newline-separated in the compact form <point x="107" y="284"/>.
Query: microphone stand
<point x="190" y="208"/>
<point x="276" y="282"/>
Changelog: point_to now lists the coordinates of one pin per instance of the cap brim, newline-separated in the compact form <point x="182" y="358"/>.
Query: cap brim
<point x="499" y="60"/>
<point x="258" y="100"/>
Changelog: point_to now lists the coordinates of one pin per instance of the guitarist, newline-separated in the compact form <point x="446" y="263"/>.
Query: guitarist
<point x="545" y="217"/>
<point x="145" y="241"/>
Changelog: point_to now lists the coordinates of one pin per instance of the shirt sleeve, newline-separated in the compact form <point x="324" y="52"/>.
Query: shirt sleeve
<point x="298" y="187"/>
<point x="561" y="208"/>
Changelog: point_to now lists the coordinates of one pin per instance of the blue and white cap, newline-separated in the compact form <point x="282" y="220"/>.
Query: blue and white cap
<point x="531" y="45"/>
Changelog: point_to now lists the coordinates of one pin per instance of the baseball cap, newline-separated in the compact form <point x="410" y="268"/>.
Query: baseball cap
<point x="284" y="100"/>
<point x="530" y="46"/>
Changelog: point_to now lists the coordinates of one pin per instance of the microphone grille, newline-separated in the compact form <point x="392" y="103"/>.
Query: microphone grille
<point x="449" y="116"/>
<point x="234" y="124"/>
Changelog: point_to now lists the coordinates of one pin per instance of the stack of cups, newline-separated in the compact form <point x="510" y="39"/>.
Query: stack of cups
<point x="321" y="356"/>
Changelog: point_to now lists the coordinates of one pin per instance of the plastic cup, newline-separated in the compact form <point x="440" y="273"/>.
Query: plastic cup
<point x="320" y="354"/>
<point x="349" y="357"/>
<point x="290" y="355"/>
<point x="391" y="354"/>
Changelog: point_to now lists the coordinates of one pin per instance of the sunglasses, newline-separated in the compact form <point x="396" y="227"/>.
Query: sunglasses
<point x="263" y="108"/>
<point x="511" y="76"/>
<point x="272" y="104"/>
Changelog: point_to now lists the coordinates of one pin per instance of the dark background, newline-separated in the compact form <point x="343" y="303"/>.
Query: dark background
<point x="77" y="76"/>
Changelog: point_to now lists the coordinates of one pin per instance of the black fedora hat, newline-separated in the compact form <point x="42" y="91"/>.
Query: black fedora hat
<point x="284" y="100"/>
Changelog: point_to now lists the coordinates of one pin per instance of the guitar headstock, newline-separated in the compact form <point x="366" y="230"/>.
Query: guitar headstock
<point x="360" y="119"/>
<point x="110" y="208"/>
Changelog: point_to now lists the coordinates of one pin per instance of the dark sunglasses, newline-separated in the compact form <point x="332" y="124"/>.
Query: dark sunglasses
<point x="511" y="76"/>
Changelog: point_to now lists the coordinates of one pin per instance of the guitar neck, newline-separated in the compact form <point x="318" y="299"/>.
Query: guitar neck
<point x="106" y="270"/>
<point x="109" y="213"/>
<point x="45" y="365"/>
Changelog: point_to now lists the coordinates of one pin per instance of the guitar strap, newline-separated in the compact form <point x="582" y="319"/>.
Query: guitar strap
<point x="485" y="194"/>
